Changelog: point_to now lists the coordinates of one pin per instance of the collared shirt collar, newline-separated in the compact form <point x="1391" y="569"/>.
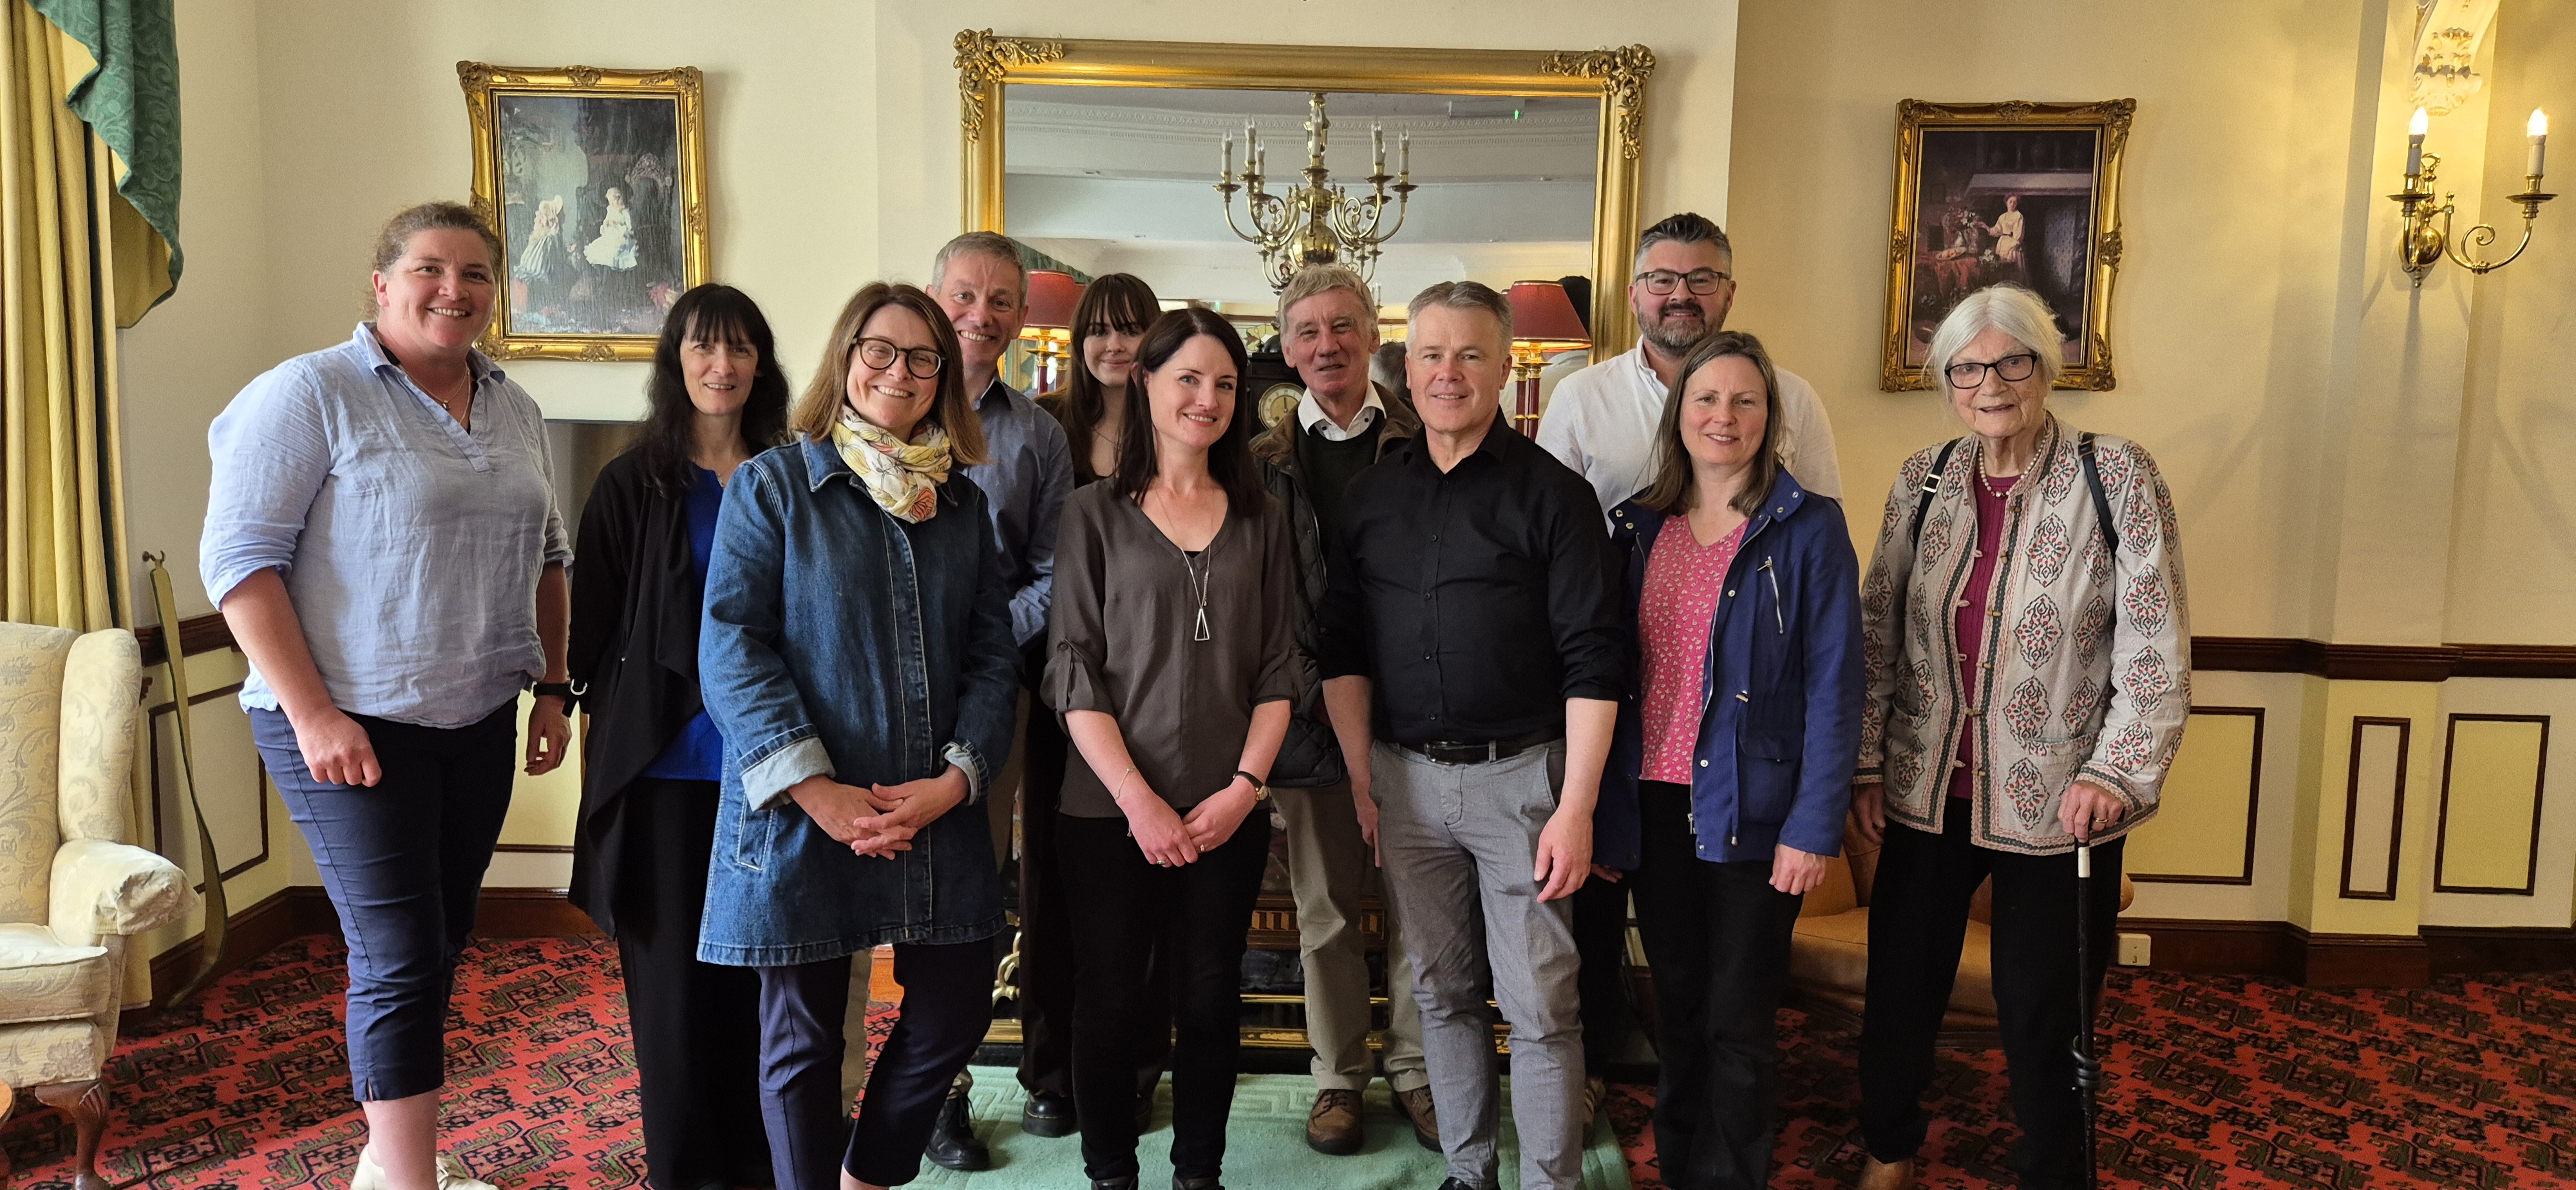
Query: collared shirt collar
<point x="1490" y="446"/>
<point x="997" y="384"/>
<point x="1310" y="415"/>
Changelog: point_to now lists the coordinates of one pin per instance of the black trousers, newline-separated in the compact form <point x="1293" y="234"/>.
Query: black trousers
<point x="947" y="998"/>
<point x="1601" y="945"/>
<point x="1046" y="928"/>
<point x="1717" y="938"/>
<point x="1917" y="922"/>
<point x="696" y="1025"/>
<point x="1192" y="920"/>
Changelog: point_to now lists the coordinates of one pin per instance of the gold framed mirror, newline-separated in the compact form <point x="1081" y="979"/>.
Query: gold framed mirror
<point x="1612" y="80"/>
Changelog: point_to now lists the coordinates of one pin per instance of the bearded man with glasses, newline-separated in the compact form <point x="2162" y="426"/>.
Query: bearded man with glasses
<point x="1601" y="421"/>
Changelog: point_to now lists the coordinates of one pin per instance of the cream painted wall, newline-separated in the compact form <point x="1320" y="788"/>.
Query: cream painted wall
<point x="2223" y="319"/>
<point x="2513" y="561"/>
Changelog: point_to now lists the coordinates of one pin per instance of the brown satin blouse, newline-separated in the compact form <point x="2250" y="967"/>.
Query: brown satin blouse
<point x="1121" y="641"/>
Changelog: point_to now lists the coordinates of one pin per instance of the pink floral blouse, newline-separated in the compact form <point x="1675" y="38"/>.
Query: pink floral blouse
<point x="1675" y="613"/>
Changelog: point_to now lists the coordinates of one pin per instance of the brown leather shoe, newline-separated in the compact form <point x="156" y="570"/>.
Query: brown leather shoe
<point x="1881" y="1175"/>
<point x="1418" y="1108"/>
<point x="1334" y="1126"/>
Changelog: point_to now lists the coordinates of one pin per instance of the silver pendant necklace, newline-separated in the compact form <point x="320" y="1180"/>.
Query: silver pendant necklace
<point x="1199" y="572"/>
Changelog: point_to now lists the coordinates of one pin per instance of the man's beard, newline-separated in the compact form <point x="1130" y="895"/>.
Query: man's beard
<point x="1676" y="335"/>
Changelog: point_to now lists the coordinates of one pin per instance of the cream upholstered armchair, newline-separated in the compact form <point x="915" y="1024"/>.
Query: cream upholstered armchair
<point x="1829" y="948"/>
<point x="74" y="891"/>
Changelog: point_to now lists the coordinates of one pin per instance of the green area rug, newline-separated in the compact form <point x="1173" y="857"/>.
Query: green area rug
<point x="1265" y="1144"/>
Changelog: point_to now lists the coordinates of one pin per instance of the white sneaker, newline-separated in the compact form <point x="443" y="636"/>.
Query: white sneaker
<point x="452" y="1174"/>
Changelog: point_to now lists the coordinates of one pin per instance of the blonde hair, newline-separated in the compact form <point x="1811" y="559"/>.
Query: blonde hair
<point x="827" y="392"/>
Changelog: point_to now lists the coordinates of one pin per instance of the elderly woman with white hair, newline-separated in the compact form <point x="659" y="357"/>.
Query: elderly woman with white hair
<point x="2029" y="673"/>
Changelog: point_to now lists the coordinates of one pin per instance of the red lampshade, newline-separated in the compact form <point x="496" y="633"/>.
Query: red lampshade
<point x="1541" y="313"/>
<point x="1052" y="297"/>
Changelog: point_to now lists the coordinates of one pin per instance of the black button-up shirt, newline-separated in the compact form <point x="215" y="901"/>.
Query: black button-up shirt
<point x="1478" y="599"/>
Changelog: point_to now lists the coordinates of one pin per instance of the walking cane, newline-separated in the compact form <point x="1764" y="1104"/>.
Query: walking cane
<point x="2088" y="1067"/>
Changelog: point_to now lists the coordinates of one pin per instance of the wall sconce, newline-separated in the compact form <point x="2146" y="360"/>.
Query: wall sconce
<point x="2421" y="244"/>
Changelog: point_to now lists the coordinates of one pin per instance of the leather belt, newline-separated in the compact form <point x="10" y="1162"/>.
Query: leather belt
<point x="1462" y="752"/>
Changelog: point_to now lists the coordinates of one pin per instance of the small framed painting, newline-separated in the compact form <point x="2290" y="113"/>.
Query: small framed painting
<point x="1993" y="193"/>
<point x="596" y="181"/>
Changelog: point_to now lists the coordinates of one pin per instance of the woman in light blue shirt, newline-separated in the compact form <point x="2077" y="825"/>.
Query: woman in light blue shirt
<point x="381" y="535"/>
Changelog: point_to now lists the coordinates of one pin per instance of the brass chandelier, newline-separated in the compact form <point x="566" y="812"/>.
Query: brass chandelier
<point x="1318" y="222"/>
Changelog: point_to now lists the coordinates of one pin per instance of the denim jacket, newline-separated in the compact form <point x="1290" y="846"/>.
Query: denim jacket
<point x="839" y="640"/>
<point x="1780" y="693"/>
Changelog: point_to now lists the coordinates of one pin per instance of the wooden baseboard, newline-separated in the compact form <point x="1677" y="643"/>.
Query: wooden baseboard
<point x="2218" y="947"/>
<point x="2362" y="961"/>
<point x="2286" y="951"/>
<point x="282" y="915"/>
<point x="2488" y="950"/>
<point x="531" y="913"/>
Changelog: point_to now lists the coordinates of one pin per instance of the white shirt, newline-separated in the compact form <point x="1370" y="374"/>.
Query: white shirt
<point x="1312" y="418"/>
<point x="1603" y="419"/>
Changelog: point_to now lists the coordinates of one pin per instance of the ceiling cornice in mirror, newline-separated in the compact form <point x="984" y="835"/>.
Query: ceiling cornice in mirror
<point x="988" y="63"/>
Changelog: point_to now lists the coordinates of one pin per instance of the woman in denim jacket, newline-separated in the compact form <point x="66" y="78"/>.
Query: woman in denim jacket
<point x="1731" y="770"/>
<point x="856" y="654"/>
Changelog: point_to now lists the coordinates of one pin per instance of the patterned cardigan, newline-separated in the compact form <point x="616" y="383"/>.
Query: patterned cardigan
<point x="2087" y="670"/>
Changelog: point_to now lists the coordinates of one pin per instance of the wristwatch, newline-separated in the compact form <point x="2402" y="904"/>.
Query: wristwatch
<point x="562" y="690"/>
<point x="1260" y="788"/>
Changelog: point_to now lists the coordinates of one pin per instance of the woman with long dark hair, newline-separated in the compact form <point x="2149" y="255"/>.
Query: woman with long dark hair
<point x="1108" y="324"/>
<point x="649" y="790"/>
<point x="1175" y="680"/>
<point x="857" y="655"/>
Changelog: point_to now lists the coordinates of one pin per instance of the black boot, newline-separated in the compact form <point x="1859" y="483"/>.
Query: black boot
<point x="953" y="1144"/>
<point x="1127" y="1182"/>
<point x="1207" y="1183"/>
<point x="1047" y="1114"/>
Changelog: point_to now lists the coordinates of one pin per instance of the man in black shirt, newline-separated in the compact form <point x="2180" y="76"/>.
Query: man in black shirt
<point x="1341" y="425"/>
<point x="1472" y="658"/>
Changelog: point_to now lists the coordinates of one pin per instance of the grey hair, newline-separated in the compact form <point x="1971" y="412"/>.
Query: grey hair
<point x="1463" y="295"/>
<point x="1689" y="227"/>
<point x="1316" y="280"/>
<point x="984" y="243"/>
<point x="2017" y="312"/>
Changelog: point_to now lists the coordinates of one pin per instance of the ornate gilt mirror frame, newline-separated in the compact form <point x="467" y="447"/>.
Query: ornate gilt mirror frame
<point x="1617" y="77"/>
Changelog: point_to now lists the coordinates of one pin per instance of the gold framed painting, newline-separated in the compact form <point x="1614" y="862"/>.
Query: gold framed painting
<point x="2016" y="192"/>
<point x="596" y="181"/>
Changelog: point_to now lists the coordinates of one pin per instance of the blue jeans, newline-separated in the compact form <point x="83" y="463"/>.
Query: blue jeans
<point x="403" y="862"/>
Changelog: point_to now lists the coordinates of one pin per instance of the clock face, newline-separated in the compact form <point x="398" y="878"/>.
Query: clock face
<point x="1279" y="403"/>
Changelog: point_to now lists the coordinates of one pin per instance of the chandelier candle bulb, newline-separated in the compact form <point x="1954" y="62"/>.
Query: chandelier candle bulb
<point x="2415" y="129"/>
<point x="1377" y="147"/>
<point x="1227" y="174"/>
<point x="2539" y="132"/>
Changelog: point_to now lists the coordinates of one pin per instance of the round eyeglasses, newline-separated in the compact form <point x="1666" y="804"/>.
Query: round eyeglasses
<point x="1663" y="281"/>
<point x="2016" y="367"/>
<point x="880" y="354"/>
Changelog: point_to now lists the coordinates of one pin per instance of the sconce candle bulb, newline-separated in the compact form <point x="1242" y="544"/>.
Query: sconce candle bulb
<point x="2538" y="130"/>
<point x="2415" y="130"/>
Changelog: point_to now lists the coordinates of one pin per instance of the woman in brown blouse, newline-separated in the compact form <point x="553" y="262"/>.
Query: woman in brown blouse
<point x="1108" y="324"/>
<point x="1173" y="660"/>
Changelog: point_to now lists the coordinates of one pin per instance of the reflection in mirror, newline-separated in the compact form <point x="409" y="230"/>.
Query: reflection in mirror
<point x="1123" y="179"/>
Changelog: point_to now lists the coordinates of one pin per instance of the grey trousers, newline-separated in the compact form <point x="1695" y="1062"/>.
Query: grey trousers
<point x="1328" y="868"/>
<point x="1458" y="843"/>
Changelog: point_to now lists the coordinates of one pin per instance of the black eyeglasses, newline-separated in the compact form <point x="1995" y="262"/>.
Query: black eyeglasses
<point x="922" y="362"/>
<point x="1663" y="281"/>
<point x="2010" y="368"/>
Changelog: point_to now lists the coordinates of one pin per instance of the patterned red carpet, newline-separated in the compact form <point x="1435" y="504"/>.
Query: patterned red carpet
<point x="2216" y="1082"/>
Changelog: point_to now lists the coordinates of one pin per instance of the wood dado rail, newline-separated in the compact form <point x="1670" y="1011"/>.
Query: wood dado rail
<point x="2238" y="654"/>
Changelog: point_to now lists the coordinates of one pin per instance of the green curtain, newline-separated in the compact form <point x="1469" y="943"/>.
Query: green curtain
<point x="129" y="96"/>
